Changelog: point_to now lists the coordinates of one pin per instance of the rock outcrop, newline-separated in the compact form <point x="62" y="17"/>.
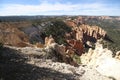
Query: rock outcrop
<point x="102" y="60"/>
<point x="88" y="33"/>
<point x="117" y="56"/>
<point x="82" y="36"/>
<point x="59" y="53"/>
<point x="49" y="40"/>
<point x="76" y="46"/>
<point x="30" y="63"/>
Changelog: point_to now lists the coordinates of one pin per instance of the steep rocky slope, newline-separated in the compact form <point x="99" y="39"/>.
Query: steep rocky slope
<point x="83" y="36"/>
<point x="34" y="64"/>
<point x="74" y="37"/>
<point x="102" y="60"/>
<point x="86" y="32"/>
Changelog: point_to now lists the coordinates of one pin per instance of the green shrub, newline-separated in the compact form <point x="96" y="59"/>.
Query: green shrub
<point x="76" y="58"/>
<point x="57" y="29"/>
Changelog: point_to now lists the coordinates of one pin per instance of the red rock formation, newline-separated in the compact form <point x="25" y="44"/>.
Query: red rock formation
<point x="81" y="34"/>
<point x="76" y="45"/>
<point x="86" y="33"/>
<point x="90" y="33"/>
<point x="61" y="54"/>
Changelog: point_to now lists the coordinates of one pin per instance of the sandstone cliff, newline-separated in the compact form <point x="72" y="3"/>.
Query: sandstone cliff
<point x="82" y="34"/>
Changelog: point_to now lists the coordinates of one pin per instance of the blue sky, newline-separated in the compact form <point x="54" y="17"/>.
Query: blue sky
<point x="60" y="7"/>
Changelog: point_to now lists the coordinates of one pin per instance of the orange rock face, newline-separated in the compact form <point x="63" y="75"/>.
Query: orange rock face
<point x="85" y="33"/>
<point x="81" y="34"/>
<point x="90" y="33"/>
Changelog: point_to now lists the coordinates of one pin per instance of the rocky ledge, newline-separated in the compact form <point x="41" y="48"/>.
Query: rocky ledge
<point x="31" y="63"/>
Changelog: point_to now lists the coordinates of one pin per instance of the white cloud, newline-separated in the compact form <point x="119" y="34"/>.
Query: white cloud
<point x="46" y="8"/>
